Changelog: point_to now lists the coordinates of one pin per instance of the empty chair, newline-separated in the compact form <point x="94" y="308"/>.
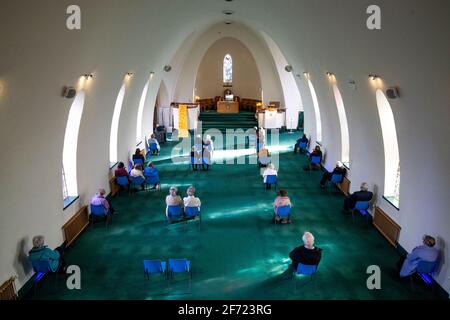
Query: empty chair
<point x="155" y="267"/>
<point x="179" y="266"/>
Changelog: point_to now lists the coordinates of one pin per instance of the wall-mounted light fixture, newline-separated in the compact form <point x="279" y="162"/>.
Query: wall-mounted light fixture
<point x="306" y="74"/>
<point x="129" y="74"/>
<point x="373" y="77"/>
<point x="330" y="74"/>
<point x="88" y="76"/>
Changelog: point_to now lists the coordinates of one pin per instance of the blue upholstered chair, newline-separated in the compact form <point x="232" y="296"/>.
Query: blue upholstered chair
<point x="155" y="267"/>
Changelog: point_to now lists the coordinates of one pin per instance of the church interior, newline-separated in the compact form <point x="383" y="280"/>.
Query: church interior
<point x="208" y="149"/>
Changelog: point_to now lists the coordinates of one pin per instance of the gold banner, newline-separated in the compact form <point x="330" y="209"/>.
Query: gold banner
<point x="183" y="121"/>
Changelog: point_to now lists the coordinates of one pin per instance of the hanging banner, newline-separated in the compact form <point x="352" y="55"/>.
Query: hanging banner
<point x="183" y="121"/>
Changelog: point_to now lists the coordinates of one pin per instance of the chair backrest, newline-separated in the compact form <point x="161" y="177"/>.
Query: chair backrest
<point x="337" y="178"/>
<point x="154" y="266"/>
<point x="153" y="147"/>
<point x="137" y="180"/>
<point x="192" y="211"/>
<point x="284" y="211"/>
<point x="99" y="211"/>
<point x="307" y="270"/>
<point x="362" y="205"/>
<point x="271" y="179"/>
<point x="316" y="159"/>
<point x="302" y="145"/>
<point x="426" y="266"/>
<point x="42" y="266"/>
<point x="122" y="181"/>
<point x="179" y="265"/>
<point x="174" y="211"/>
<point x="138" y="161"/>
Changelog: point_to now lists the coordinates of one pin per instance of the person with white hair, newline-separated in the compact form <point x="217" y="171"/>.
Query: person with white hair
<point x="427" y="252"/>
<point x="173" y="200"/>
<point x="270" y="171"/>
<point x="100" y="200"/>
<point x="41" y="253"/>
<point x="154" y="141"/>
<point x="338" y="170"/>
<point x="307" y="254"/>
<point x="363" y="195"/>
<point x="191" y="201"/>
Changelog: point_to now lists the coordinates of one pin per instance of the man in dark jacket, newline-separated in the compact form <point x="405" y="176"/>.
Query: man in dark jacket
<point x="363" y="195"/>
<point x="328" y="175"/>
<point x="303" y="139"/>
<point x="306" y="254"/>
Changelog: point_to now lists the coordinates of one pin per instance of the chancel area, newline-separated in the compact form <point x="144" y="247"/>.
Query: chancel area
<point x="224" y="150"/>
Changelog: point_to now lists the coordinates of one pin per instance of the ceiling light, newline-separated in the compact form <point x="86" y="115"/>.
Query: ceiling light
<point x="228" y="12"/>
<point x="373" y="77"/>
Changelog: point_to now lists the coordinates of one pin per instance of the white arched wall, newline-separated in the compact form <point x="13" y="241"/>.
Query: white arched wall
<point x="103" y="47"/>
<point x="292" y="97"/>
<point x="267" y="69"/>
<point x="246" y="76"/>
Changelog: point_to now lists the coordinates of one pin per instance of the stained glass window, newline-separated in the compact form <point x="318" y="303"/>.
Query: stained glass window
<point x="228" y="69"/>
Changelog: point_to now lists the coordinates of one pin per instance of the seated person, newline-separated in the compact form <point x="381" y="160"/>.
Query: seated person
<point x="196" y="156"/>
<point x="41" y="252"/>
<point x="100" y="200"/>
<point x="210" y="143"/>
<point x="282" y="201"/>
<point x="191" y="201"/>
<point x="153" y="140"/>
<point x="263" y="157"/>
<point x="317" y="152"/>
<point x="121" y="171"/>
<point x="137" y="172"/>
<point x="173" y="200"/>
<point x="426" y="252"/>
<point x="363" y="195"/>
<point x="270" y="171"/>
<point x="138" y="156"/>
<point x="340" y="169"/>
<point x="306" y="254"/>
<point x="303" y="139"/>
<point x="152" y="176"/>
<point x="207" y="155"/>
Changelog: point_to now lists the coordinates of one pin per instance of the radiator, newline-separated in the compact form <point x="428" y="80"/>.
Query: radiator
<point x="76" y="225"/>
<point x="8" y="290"/>
<point x="388" y="227"/>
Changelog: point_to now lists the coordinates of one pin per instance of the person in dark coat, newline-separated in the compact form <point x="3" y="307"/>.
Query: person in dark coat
<point x="363" y="195"/>
<point x="307" y="254"/>
<point x="340" y="169"/>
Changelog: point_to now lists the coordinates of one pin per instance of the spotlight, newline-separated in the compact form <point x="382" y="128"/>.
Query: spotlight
<point x="88" y="76"/>
<point x="330" y="74"/>
<point x="306" y="74"/>
<point x="129" y="74"/>
<point x="373" y="77"/>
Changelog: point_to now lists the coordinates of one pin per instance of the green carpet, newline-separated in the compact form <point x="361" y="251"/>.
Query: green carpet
<point x="236" y="252"/>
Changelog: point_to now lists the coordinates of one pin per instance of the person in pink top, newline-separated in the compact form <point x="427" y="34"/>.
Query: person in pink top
<point x="100" y="200"/>
<point x="281" y="201"/>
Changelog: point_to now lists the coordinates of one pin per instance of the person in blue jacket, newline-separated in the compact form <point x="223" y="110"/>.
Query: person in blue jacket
<point x="41" y="252"/>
